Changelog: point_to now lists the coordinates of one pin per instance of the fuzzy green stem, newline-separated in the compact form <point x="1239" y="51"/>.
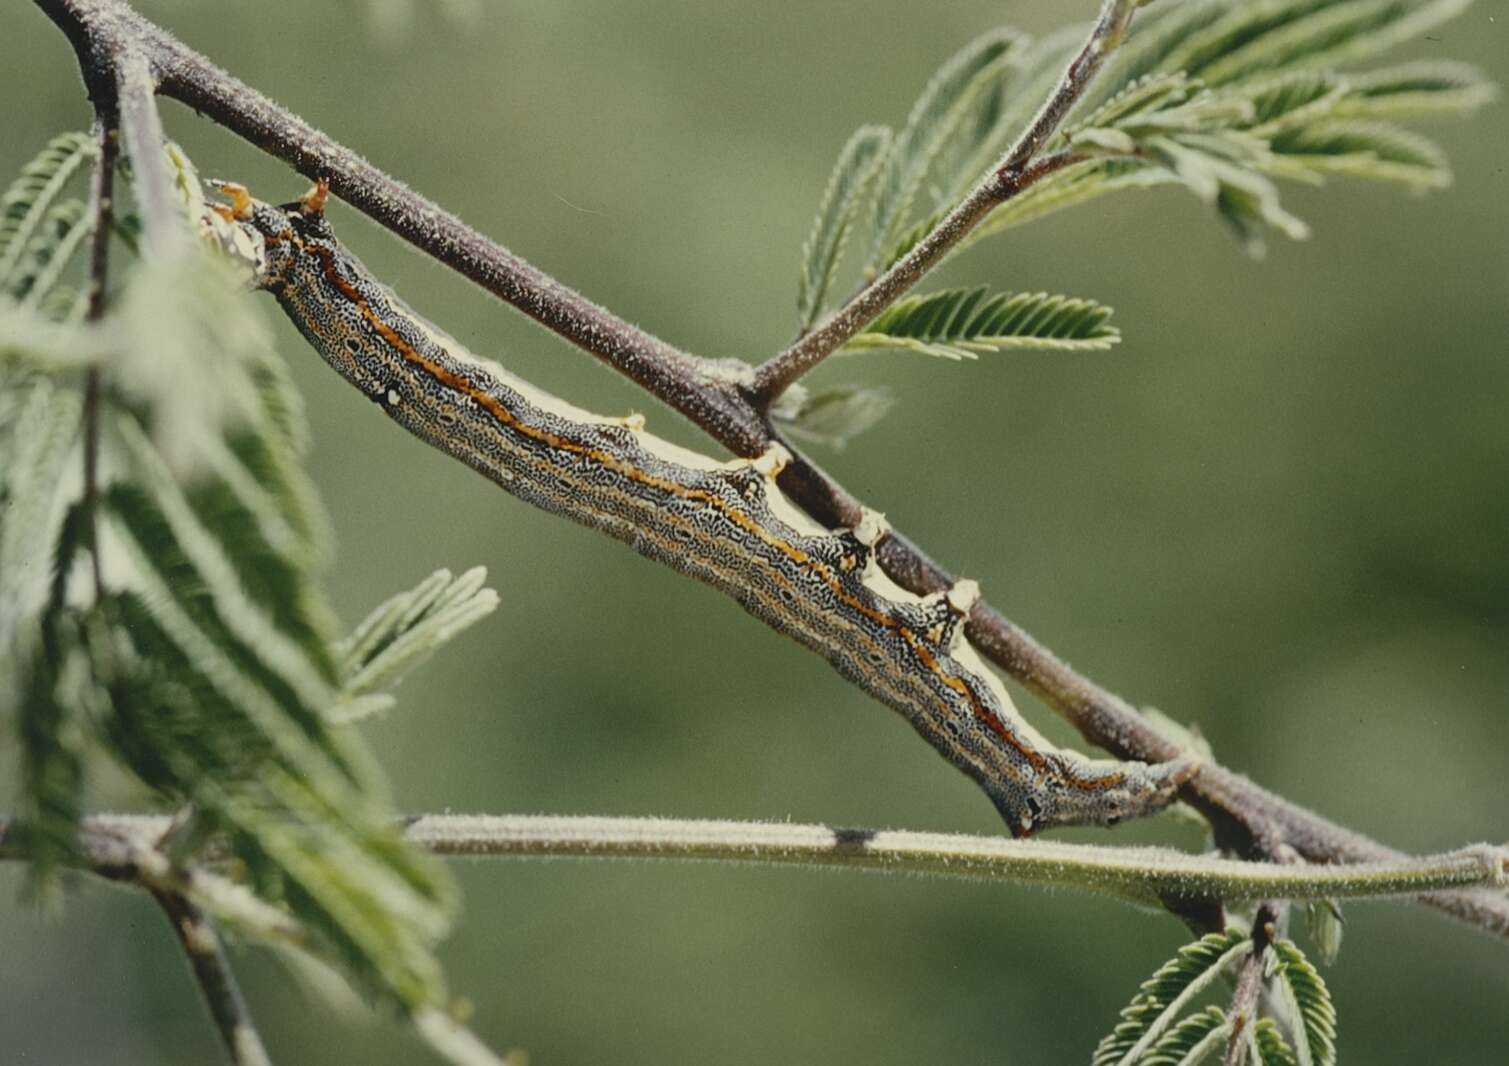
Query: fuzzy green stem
<point x="1146" y="875"/>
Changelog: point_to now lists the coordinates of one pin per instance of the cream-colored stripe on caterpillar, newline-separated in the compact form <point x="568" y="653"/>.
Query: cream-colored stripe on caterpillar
<point x="725" y="523"/>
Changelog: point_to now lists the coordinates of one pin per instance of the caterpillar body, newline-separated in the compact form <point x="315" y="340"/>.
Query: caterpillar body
<point x="724" y="523"/>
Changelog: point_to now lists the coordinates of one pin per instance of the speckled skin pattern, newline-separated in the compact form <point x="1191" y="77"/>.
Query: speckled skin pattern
<point x="723" y="523"/>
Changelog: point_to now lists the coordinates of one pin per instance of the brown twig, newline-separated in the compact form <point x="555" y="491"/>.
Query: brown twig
<point x="781" y="371"/>
<point x="122" y="850"/>
<point x="1243" y="1012"/>
<point x="1244" y="814"/>
<point x="99" y="28"/>
<point x="1106" y="35"/>
<point x="212" y="973"/>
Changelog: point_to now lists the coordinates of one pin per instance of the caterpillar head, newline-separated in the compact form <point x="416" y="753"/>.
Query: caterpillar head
<point x="270" y="239"/>
<point x="1101" y="792"/>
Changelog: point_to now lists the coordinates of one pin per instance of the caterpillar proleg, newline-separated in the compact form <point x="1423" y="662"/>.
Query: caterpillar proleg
<point x="724" y="523"/>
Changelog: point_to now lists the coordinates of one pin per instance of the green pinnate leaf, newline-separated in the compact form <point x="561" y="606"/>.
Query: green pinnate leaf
<point x="51" y="695"/>
<point x="950" y="103"/>
<point x="959" y="323"/>
<point x="1361" y="149"/>
<point x="223" y="680"/>
<point x="388" y="621"/>
<point x="1213" y="169"/>
<point x="39" y="439"/>
<point x="1257" y="39"/>
<point x="1415" y="88"/>
<point x="44" y="342"/>
<point x="1190" y="1040"/>
<point x="1300" y="986"/>
<point x="207" y="713"/>
<point x="1273" y="1049"/>
<point x="1294" y="98"/>
<point x="1070" y="187"/>
<point x="845" y="194"/>
<point x="188" y="348"/>
<point x="1224" y="97"/>
<point x="410" y="627"/>
<point x="193" y="596"/>
<point x="25" y="204"/>
<point x="1034" y="67"/>
<point x="976" y="143"/>
<point x="202" y="656"/>
<point x="45" y="690"/>
<point x="907" y="240"/>
<point x="832" y="416"/>
<point x="49" y="252"/>
<point x="1241" y="46"/>
<point x="1148" y="52"/>
<point x="264" y="461"/>
<point x="1163" y="997"/>
<point x="1148" y="93"/>
<point x="1093" y="140"/>
<point x="307" y="838"/>
<point x="51" y="740"/>
<point x="1327" y="924"/>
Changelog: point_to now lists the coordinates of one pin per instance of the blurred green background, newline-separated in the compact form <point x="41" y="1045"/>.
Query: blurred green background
<point x="1279" y="509"/>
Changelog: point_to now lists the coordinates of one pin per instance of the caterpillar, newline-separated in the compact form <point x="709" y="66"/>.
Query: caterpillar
<point x="724" y="523"/>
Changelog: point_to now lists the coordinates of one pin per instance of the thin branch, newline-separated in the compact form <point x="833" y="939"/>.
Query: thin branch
<point x="1017" y="170"/>
<point x="129" y="849"/>
<point x="126" y="850"/>
<point x="212" y="972"/>
<point x="774" y="377"/>
<point x="1243" y="1013"/>
<point x="686" y="383"/>
<point x="1144" y="875"/>
<point x="1241" y="811"/>
<point x="101" y="205"/>
<point x="102" y="210"/>
<point x="1105" y="37"/>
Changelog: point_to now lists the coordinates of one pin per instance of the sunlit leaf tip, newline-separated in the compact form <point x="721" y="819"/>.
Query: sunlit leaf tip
<point x="408" y="628"/>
